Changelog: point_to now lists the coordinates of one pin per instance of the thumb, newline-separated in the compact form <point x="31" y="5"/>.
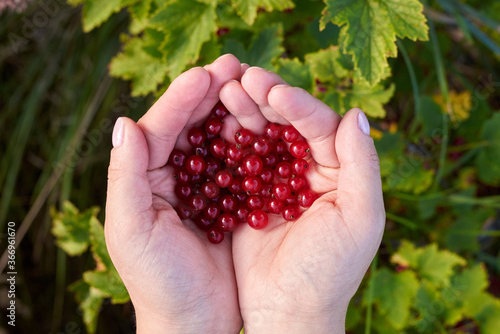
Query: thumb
<point x="359" y="184"/>
<point x="129" y="198"/>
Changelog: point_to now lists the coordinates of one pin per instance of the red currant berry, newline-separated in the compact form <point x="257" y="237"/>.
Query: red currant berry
<point x="275" y="205"/>
<point x="284" y="170"/>
<point x="306" y="198"/>
<point x="257" y="219"/>
<point x="183" y="177"/>
<point x="251" y="184"/>
<point x="196" y="137"/>
<point x="177" y="158"/>
<point x="253" y="164"/>
<point x="299" y="166"/>
<point x="210" y="189"/>
<point x="212" y="211"/>
<point x="201" y="151"/>
<point x="244" y="137"/>
<point x="235" y="186"/>
<point x="266" y="191"/>
<point x="282" y="191"/>
<point x="197" y="202"/>
<point x="287" y="157"/>
<point x="215" y="235"/>
<point x="220" y="110"/>
<point x="183" y="191"/>
<point x="218" y="148"/>
<point x="289" y="134"/>
<point x="184" y="211"/>
<point x="204" y="223"/>
<point x="241" y="197"/>
<point x="195" y="165"/>
<point x="240" y="171"/>
<point x="291" y="212"/>
<point x="271" y="160"/>
<point x="226" y="222"/>
<point x="213" y="126"/>
<point x="242" y="213"/>
<point x="267" y="175"/>
<point x="227" y="203"/>
<point x="233" y="152"/>
<point x="272" y="131"/>
<point x="299" y="149"/>
<point x="291" y="201"/>
<point x="223" y="178"/>
<point x="297" y="183"/>
<point x="262" y="147"/>
<point x="281" y="147"/>
<point x="213" y="166"/>
<point x="255" y="202"/>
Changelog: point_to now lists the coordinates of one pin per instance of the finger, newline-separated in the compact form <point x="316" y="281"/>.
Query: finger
<point x="169" y="115"/>
<point x="129" y="199"/>
<point x="244" y="68"/>
<point x="242" y="107"/>
<point x="257" y="82"/>
<point x="223" y="69"/>
<point x="359" y="185"/>
<point x="314" y="120"/>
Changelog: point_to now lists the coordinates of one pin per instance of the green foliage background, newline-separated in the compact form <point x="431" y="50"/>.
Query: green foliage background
<point x="427" y="73"/>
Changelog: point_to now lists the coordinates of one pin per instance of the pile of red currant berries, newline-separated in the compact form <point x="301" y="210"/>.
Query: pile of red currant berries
<point x="220" y="184"/>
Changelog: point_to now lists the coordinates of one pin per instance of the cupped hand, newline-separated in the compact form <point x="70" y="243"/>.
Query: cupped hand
<point x="177" y="280"/>
<point x="298" y="277"/>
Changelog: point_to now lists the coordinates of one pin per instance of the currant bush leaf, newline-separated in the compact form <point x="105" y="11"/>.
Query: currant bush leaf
<point x="264" y="48"/>
<point x="329" y="64"/>
<point x="428" y="262"/>
<point x="135" y="64"/>
<point x="247" y="9"/>
<point x="369" y="30"/>
<point x="139" y="14"/>
<point x="187" y="24"/>
<point x="98" y="244"/>
<point x="295" y="73"/>
<point x="90" y="301"/>
<point x="71" y="228"/>
<point x="95" y="12"/>
<point x="109" y="283"/>
<point x="394" y="293"/>
<point x="488" y="159"/>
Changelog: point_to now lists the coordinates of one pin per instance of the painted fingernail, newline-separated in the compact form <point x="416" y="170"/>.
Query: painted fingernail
<point x="363" y="123"/>
<point x="117" y="137"/>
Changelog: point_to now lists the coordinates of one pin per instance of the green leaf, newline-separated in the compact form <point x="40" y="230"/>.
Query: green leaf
<point x="329" y="64"/>
<point x="428" y="262"/>
<point x="95" y="12"/>
<point x="135" y="64"/>
<point x="98" y="244"/>
<point x="139" y="15"/>
<point x="469" y="286"/>
<point x="90" y="300"/>
<point x="187" y="25"/>
<point x="463" y="234"/>
<point x="409" y="176"/>
<point x="369" y="30"/>
<point x="370" y="99"/>
<point x="264" y="48"/>
<point x="488" y="159"/>
<point x="430" y="116"/>
<point x="295" y="73"/>
<point x="394" y="293"/>
<point x="109" y="283"/>
<point x="247" y="9"/>
<point x="71" y="228"/>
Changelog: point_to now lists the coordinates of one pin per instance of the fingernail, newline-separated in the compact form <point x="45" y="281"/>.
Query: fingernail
<point x="363" y="123"/>
<point x="117" y="137"/>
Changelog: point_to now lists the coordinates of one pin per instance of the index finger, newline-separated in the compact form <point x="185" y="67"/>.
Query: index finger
<point x="316" y="121"/>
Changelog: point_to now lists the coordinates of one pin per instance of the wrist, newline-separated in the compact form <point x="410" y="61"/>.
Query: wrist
<point x="150" y="323"/>
<point x="295" y="320"/>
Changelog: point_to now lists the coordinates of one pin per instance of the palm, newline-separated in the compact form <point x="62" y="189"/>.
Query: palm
<point x="323" y="255"/>
<point x="172" y="272"/>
